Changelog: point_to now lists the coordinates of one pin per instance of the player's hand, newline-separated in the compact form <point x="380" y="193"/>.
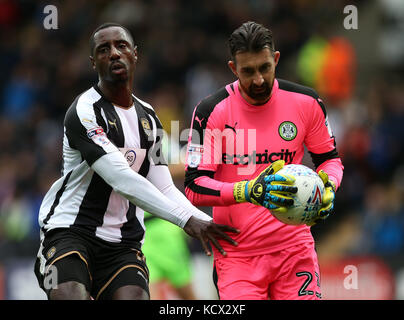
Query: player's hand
<point x="279" y="189"/>
<point x="269" y="189"/>
<point x="208" y="231"/>
<point x="328" y="198"/>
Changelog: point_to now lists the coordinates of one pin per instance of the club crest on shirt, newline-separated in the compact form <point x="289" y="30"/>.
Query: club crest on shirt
<point x="146" y="126"/>
<point x="287" y="130"/>
<point x="51" y="252"/>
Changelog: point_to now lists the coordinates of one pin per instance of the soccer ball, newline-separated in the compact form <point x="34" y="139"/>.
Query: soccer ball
<point x="307" y="200"/>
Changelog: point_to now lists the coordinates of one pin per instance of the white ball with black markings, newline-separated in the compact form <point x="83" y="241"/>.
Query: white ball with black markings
<point x="307" y="200"/>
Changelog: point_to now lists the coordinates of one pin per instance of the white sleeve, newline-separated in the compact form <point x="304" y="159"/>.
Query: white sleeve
<point x="114" y="169"/>
<point x="160" y="177"/>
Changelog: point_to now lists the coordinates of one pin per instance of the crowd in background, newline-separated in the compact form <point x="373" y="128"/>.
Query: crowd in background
<point x="183" y="56"/>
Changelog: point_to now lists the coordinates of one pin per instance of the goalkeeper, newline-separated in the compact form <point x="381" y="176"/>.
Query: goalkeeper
<point x="241" y="136"/>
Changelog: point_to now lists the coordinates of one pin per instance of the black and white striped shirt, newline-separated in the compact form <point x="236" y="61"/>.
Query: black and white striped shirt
<point x="81" y="198"/>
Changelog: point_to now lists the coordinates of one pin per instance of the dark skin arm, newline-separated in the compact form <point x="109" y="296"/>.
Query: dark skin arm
<point x="208" y="231"/>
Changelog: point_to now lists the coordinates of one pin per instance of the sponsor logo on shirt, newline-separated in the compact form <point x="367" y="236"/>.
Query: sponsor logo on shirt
<point x="93" y="132"/>
<point x="194" y="155"/>
<point x="113" y="124"/>
<point x="134" y="156"/>
<point x="258" y="158"/>
<point x="199" y="120"/>
<point x="130" y="156"/>
<point x="195" y="148"/>
<point x="226" y="126"/>
<point x="98" y="136"/>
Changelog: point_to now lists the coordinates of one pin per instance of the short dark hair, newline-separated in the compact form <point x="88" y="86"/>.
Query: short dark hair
<point x="250" y="37"/>
<point x="104" y="26"/>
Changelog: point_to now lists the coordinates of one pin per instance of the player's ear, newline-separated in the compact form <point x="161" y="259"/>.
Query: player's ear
<point x="135" y="52"/>
<point x="92" y="62"/>
<point x="277" y="55"/>
<point x="232" y="66"/>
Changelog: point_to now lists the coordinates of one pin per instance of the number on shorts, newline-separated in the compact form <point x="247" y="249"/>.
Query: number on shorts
<point x="309" y="278"/>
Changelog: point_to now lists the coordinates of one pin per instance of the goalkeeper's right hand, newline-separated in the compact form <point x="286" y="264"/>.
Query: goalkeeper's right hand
<point x="269" y="189"/>
<point x="328" y="198"/>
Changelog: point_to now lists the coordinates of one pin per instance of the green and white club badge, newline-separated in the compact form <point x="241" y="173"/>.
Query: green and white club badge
<point x="287" y="130"/>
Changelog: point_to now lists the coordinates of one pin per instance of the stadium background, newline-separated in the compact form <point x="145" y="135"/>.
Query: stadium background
<point x="182" y="58"/>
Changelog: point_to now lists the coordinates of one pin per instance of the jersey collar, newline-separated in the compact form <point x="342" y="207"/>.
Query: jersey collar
<point x="251" y="107"/>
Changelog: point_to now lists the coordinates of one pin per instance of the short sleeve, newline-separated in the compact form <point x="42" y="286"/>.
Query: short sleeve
<point x="85" y="133"/>
<point x="156" y="154"/>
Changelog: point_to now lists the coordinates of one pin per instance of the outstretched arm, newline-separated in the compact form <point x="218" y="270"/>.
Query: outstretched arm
<point x="114" y="169"/>
<point x="200" y="225"/>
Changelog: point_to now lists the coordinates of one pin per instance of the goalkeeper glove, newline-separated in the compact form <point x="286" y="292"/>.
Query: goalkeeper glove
<point x="328" y="198"/>
<point x="268" y="189"/>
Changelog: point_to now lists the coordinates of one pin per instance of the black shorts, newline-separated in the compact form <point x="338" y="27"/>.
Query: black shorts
<point x="103" y="267"/>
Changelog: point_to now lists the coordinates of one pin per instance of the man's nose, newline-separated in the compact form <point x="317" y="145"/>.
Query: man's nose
<point x="114" y="53"/>
<point x="258" y="79"/>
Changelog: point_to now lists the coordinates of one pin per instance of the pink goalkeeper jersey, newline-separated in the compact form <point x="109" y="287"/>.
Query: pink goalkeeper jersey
<point x="232" y="140"/>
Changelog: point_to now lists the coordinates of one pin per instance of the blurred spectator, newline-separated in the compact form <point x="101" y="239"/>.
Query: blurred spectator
<point x="391" y="35"/>
<point x="383" y="221"/>
<point x="329" y="66"/>
<point x="20" y="93"/>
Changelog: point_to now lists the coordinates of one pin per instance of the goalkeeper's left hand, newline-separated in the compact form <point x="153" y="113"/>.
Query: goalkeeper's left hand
<point x="328" y="198"/>
<point x="270" y="190"/>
